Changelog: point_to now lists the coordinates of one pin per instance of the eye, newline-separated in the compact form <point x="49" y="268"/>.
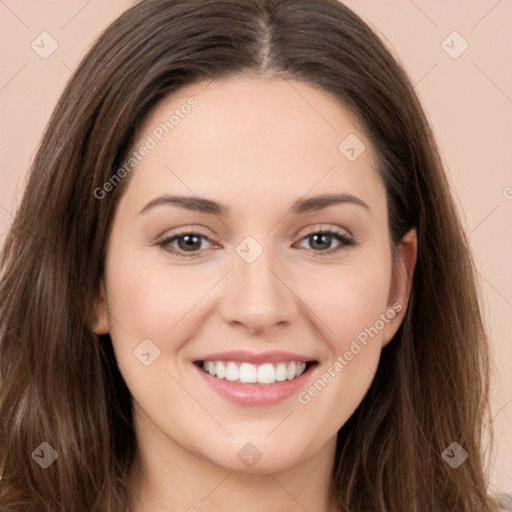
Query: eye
<point x="320" y="239"/>
<point x="188" y="242"/>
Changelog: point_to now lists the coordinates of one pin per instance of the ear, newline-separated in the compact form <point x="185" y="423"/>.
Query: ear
<point x="401" y="284"/>
<point x="101" y="324"/>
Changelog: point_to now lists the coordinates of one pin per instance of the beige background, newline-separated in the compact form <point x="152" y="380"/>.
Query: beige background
<point x="468" y="100"/>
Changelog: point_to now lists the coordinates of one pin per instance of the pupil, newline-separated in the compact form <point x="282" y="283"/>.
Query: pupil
<point x="324" y="239"/>
<point x="190" y="241"/>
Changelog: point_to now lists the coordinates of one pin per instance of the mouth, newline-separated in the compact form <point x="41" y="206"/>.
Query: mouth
<point x="249" y="378"/>
<point x="247" y="373"/>
<point x="269" y="373"/>
<point x="250" y="384"/>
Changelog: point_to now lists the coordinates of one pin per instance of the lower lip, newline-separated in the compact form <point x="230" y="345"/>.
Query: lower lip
<point x="256" y="394"/>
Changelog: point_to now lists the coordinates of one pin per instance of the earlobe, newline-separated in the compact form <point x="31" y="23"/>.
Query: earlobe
<point x="101" y="323"/>
<point x="401" y="282"/>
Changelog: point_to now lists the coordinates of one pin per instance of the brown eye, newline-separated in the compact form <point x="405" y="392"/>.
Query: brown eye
<point x="320" y="241"/>
<point x="186" y="242"/>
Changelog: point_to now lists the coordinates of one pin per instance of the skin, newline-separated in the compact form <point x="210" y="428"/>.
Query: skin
<point x="255" y="144"/>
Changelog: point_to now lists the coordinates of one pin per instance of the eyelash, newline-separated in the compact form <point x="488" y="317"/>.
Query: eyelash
<point x="344" y="239"/>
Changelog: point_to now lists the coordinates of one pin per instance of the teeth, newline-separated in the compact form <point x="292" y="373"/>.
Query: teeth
<point x="231" y="371"/>
<point x="291" y="371"/>
<point x="281" y="372"/>
<point x="248" y="373"/>
<point x="266" y="373"/>
<point x="220" y="369"/>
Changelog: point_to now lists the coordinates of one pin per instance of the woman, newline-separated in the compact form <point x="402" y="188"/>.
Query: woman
<point x="174" y="333"/>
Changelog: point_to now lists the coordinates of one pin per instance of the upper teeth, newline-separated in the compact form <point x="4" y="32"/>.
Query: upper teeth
<point x="267" y="373"/>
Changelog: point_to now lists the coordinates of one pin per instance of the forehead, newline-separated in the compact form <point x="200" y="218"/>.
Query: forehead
<point x="251" y="137"/>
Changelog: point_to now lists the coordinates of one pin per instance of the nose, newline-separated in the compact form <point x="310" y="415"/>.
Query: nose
<point x="257" y="295"/>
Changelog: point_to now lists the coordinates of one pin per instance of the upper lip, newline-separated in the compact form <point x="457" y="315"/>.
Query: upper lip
<point x="256" y="358"/>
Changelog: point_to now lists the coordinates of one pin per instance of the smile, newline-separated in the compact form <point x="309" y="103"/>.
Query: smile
<point x="248" y="373"/>
<point x="255" y="384"/>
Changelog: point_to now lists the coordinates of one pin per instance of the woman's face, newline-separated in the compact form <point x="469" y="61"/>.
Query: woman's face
<point x="238" y="275"/>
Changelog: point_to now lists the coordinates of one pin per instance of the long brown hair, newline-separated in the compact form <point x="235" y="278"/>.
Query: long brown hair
<point x="60" y="383"/>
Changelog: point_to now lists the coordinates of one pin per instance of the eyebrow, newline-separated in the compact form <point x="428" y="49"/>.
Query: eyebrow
<point x="203" y="205"/>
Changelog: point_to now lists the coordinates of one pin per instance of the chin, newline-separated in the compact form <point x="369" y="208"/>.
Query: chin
<point x="257" y="457"/>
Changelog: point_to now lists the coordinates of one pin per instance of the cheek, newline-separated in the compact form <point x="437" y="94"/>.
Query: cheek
<point x="152" y="301"/>
<point x="350" y="306"/>
<point x="150" y="296"/>
<point x="348" y="301"/>
<point x="351" y="311"/>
